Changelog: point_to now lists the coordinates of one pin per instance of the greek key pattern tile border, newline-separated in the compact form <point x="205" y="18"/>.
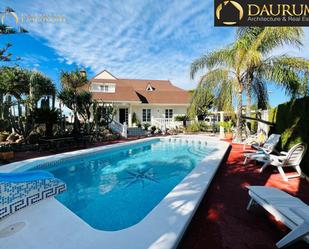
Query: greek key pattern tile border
<point x="25" y="202"/>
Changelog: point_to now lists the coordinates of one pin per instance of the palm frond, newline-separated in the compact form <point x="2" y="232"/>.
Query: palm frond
<point x="222" y="57"/>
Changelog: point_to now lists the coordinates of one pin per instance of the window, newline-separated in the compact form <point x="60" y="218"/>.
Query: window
<point x="105" y="88"/>
<point x="149" y="88"/>
<point x="146" y="115"/>
<point x="168" y="113"/>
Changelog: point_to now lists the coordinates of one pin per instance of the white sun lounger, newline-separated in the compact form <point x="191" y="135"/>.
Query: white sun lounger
<point x="289" y="210"/>
<point x="267" y="148"/>
<point x="257" y="138"/>
<point x="292" y="158"/>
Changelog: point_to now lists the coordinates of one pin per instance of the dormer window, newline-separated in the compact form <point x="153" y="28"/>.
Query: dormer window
<point x="150" y="88"/>
<point x="103" y="87"/>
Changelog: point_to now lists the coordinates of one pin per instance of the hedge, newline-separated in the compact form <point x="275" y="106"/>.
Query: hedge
<point x="292" y="122"/>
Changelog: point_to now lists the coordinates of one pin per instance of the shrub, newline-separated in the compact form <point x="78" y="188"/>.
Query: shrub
<point x="182" y="119"/>
<point x="194" y="127"/>
<point x="292" y="119"/>
<point x="203" y="126"/>
<point x="34" y="138"/>
<point x="146" y="126"/>
<point x="153" y="129"/>
<point x="5" y="125"/>
<point x="6" y="148"/>
<point x="3" y="136"/>
<point x="227" y="125"/>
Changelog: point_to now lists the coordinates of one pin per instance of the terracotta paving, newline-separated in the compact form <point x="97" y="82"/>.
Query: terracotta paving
<point x="222" y="222"/>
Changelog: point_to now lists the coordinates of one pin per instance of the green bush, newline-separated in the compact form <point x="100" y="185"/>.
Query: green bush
<point x="34" y="138"/>
<point x="6" y="148"/>
<point x="135" y="119"/>
<point x="194" y="127"/>
<point x="146" y="126"/>
<point x="227" y="125"/>
<point x="153" y="129"/>
<point x="3" y="136"/>
<point x="203" y="126"/>
<point x="292" y="119"/>
<point x="5" y="125"/>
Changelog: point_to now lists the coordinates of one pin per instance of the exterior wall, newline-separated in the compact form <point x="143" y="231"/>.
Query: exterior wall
<point x="159" y="111"/>
<point x="105" y="75"/>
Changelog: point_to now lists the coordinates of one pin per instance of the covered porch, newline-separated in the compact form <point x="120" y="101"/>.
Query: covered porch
<point x="161" y="116"/>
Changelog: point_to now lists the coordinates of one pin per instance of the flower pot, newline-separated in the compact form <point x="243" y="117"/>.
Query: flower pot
<point x="228" y="135"/>
<point x="7" y="155"/>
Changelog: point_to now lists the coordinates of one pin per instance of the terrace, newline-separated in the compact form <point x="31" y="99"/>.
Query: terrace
<point x="222" y="220"/>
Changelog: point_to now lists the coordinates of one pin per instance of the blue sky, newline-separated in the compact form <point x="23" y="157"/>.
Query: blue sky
<point x="132" y="39"/>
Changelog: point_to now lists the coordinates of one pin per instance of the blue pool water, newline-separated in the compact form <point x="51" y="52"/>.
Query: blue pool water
<point x="115" y="189"/>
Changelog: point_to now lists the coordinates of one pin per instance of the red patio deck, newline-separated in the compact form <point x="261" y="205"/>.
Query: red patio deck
<point x="222" y="222"/>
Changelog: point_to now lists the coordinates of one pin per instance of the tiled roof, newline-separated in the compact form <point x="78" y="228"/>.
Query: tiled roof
<point x="135" y="90"/>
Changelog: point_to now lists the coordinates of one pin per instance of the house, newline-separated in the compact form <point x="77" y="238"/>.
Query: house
<point x="156" y="102"/>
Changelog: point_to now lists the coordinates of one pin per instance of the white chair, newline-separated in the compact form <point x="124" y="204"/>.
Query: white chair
<point x="262" y="151"/>
<point x="251" y="139"/>
<point x="287" y="159"/>
<point x="289" y="210"/>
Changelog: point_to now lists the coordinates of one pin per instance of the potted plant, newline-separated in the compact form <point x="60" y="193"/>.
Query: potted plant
<point x="227" y="125"/>
<point x="146" y="126"/>
<point x="153" y="129"/>
<point x="6" y="152"/>
<point x="135" y="121"/>
<point x="182" y="119"/>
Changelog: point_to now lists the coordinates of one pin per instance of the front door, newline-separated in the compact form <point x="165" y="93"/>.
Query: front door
<point x="123" y="115"/>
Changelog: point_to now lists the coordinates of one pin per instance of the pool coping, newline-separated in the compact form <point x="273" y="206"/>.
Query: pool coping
<point x="162" y="228"/>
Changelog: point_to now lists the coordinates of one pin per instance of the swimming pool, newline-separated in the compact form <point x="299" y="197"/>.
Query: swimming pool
<point x="158" y="221"/>
<point x="115" y="189"/>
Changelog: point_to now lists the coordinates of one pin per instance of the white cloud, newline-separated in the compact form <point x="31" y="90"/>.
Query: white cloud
<point x="135" y="38"/>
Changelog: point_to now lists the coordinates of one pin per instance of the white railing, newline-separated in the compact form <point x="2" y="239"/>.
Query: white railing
<point x="119" y="128"/>
<point x="166" y="123"/>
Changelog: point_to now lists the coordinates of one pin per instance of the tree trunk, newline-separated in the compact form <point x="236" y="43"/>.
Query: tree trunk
<point x="20" y="112"/>
<point x="53" y="101"/>
<point x="238" y="136"/>
<point x="1" y="106"/>
<point x="248" y="105"/>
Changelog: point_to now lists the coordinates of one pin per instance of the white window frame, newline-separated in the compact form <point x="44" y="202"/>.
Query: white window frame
<point x="169" y="113"/>
<point x="147" y="115"/>
<point x="103" y="87"/>
<point x="149" y="88"/>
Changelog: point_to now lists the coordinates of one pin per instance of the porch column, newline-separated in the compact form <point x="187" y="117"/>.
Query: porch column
<point x="130" y="116"/>
<point x="221" y="135"/>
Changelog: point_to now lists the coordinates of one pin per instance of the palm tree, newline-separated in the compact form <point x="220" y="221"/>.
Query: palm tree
<point x="26" y="88"/>
<point x="71" y="81"/>
<point x="14" y="83"/>
<point x="39" y="86"/>
<point x="243" y="65"/>
<point x="201" y="101"/>
<point x="283" y="70"/>
<point x="225" y="76"/>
